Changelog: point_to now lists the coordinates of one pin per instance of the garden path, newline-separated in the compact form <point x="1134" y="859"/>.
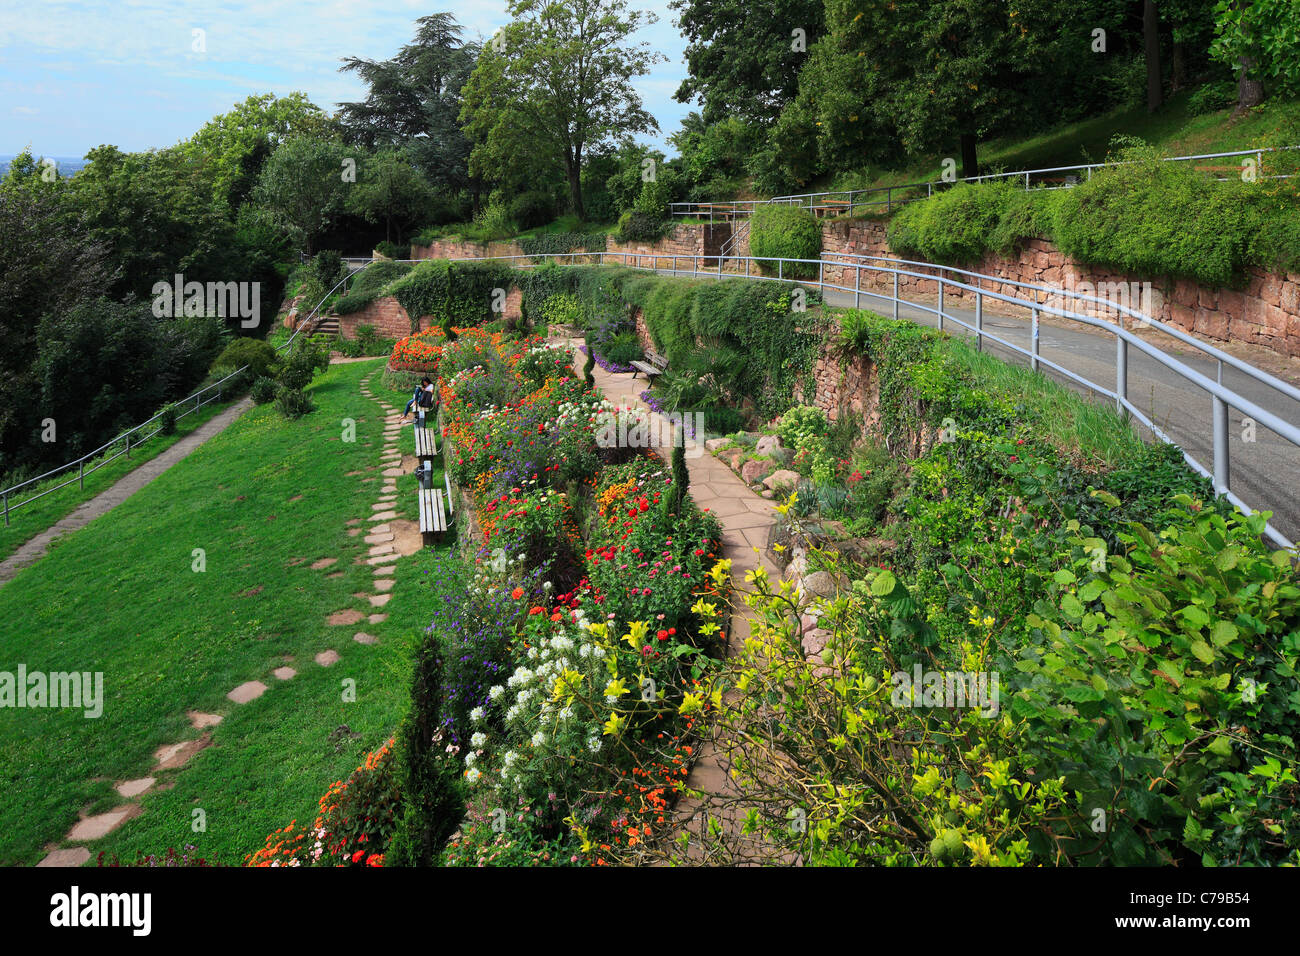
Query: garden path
<point x="35" y="548"/>
<point x="746" y="520"/>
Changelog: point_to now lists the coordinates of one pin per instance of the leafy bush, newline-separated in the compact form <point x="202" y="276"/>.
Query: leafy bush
<point x="328" y="268"/>
<point x="1212" y="97"/>
<point x="636" y="226"/>
<point x="257" y="354"/>
<point x="292" y="402"/>
<point x="532" y="209"/>
<point x="955" y="225"/>
<point x="369" y="284"/>
<point x="779" y="231"/>
<point x="167" y="420"/>
<point x="553" y="243"/>
<point x="263" y="390"/>
<point x="457" y="294"/>
<point x="393" y="250"/>
<point x="622" y="348"/>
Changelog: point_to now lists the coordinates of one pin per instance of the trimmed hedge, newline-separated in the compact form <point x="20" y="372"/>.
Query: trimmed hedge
<point x="369" y="285"/>
<point x="454" y="294"/>
<point x="560" y="242"/>
<point x="785" y="232"/>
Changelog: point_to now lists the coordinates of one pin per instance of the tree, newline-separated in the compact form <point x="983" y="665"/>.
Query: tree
<point x="302" y="186"/>
<point x="389" y="190"/>
<point x="1151" y="51"/>
<point x="234" y="145"/>
<point x="558" y="79"/>
<point x="414" y="100"/>
<point x="744" y="58"/>
<point x="1260" y="39"/>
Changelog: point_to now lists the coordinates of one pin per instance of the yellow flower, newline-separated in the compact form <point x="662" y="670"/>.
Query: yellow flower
<point x="566" y="685"/>
<point x="614" y="724"/>
<point x="704" y="609"/>
<point x="615" y="688"/>
<point x="691" y="704"/>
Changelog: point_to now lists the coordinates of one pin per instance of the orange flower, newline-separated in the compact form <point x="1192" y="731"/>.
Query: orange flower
<point x="517" y="593"/>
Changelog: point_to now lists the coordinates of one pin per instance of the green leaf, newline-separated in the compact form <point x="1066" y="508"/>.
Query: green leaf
<point x="1202" y="652"/>
<point x="883" y="583"/>
<point x="1224" y="632"/>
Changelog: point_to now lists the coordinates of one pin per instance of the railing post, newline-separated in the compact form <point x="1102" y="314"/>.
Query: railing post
<point x="979" y="321"/>
<point x="939" y="311"/>
<point x="1033" y="335"/>
<point x="81" y="473"/>
<point x="895" y="295"/>
<point x="746" y="267"/>
<point x="128" y="445"/>
<point x="821" y="282"/>
<point x="780" y="269"/>
<point x="1121" y="372"/>
<point x="857" y="285"/>
<point x="1220" y="445"/>
<point x="6" y="509"/>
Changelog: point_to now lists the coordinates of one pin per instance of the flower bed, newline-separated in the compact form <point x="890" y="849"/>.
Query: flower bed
<point x="419" y="352"/>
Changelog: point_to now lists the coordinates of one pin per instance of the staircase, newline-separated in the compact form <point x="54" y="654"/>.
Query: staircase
<point x="325" y="325"/>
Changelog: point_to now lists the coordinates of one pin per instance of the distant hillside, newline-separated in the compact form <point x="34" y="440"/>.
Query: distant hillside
<point x="67" y="164"/>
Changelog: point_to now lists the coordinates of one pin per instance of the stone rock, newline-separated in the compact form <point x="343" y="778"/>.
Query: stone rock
<point x="713" y="444"/>
<point x="327" y="658"/>
<point x="284" y="673"/>
<point x="768" y="444"/>
<point x="133" y="788"/>
<point x="783" y="477"/>
<point x="74" y="857"/>
<point x="754" y="470"/>
<point x="361" y="637"/>
<point x="249" y="690"/>
<point x="819" y="583"/>
<point x="100" y="825"/>
<point x="733" y="457"/>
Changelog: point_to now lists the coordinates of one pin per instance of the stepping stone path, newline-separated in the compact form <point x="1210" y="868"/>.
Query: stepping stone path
<point x="173" y="756"/>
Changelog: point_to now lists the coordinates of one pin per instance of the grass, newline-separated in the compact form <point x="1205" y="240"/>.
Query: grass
<point x="1072" y="423"/>
<point x="1173" y="129"/>
<point x="40" y="515"/>
<point x="263" y="500"/>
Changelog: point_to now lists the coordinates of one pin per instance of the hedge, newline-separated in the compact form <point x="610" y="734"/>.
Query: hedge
<point x="785" y="232"/>
<point x="454" y="294"/>
<point x="369" y="285"/>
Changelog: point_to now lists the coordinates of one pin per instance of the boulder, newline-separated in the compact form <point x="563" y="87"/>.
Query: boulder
<point x="755" y="470"/>
<point x="733" y="457"/>
<point x="713" y="444"/>
<point x="768" y="444"/>
<point x="819" y="583"/>
<point x="782" y="477"/>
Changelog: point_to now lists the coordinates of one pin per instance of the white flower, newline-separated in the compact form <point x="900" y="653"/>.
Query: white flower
<point x="472" y="775"/>
<point x="510" y="758"/>
<point x="478" y="740"/>
<point x="539" y="738"/>
<point x="496" y="692"/>
<point x="477" y="715"/>
<point x="470" y="758"/>
<point x="593" y="744"/>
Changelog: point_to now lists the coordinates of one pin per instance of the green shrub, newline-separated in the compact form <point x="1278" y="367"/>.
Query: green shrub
<point x="393" y="250"/>
<point x="556" y="243"/>
<point x="167" y="420"/>
<point x="263" y="390"/>
<point x="622" y="348"/>
<point x="955" y="225"/>
<point x="369" y="285"/>
<point x="328" y="268"/>
<point x="532" y="209"/>
<point x="292" y="402"/>
<point x="453" y="293"/>
<point x="637" y="226"/>
<point x="432" y="795"/>
<point x="257" y="354"/>
<point x="785" y="232"/>
<point x="1212" y="97"/>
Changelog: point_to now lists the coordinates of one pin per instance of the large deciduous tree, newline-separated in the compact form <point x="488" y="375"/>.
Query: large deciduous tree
<point x="744" y="58"/>
<point x="389" y="190"/>
<point x="558" y="80"/>
<point x="302" y="186"/>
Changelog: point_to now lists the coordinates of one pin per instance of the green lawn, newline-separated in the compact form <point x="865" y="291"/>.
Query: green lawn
<point x="31" y="519"/>
<point x="1173" y="128"/>
<point x="263" y="499"/>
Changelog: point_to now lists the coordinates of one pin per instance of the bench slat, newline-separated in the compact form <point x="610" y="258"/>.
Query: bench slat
<point x="439" y="513"/>
<point x="451" y="505"/>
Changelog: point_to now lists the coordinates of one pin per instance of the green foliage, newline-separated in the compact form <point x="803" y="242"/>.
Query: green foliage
<point x="167" y="420"/>
<point x="1263" y="34"/>
<point x="637" y="226"/>
<point x="432" y="795"/>
<point x="622" y="348"/>
<point x="301" y="187"/>
<point x="392" y="250"/>
<point x="257" y="354"/>
<point x="292" y="402"/>
<point x="391" y="190"/>
<point x="263" y="390"/>
<point x="531" y="209"/>
<point x="453" y="293"/>
<point x="328" y="268"/>
<point x="369" y="284"/>
<point x="549" y="243"/>
<point x="785" y="232"/>
<point x="955" y="225"/>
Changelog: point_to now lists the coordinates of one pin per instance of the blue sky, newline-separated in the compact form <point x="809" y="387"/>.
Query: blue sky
<point x="74" y="75"/>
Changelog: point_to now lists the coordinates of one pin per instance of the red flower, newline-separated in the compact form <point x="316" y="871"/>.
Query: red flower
<point x="517" y="593"/>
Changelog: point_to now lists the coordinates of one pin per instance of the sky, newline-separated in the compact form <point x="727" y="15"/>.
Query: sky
<point x="75" y="75"/>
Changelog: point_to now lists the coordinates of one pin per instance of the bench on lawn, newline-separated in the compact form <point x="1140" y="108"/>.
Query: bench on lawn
<point x="656" y="365"/>
<point x="434" y="509"/>
<point x="426" y="442"/>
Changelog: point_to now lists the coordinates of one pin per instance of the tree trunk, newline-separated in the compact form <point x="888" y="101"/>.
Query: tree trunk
<point x="575" y="188"/>
<point x="1178" y="68"/>
<point x="1250" y="92"/>
<point x="1151" y="43"/>
<point x="969" y="160"/>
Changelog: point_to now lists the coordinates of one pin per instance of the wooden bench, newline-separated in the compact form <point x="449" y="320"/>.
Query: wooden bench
<point x="656" y="365"/>
<point x="426" y="442"/>
<point x="433" y="510"/>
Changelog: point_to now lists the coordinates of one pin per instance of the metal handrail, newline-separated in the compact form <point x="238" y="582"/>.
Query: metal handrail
<point x="737" y="207"/>
<point x="80" y="463"/>
<point x="1223" y="398"/>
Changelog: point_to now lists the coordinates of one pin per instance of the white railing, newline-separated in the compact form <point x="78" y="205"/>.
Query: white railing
<point x="847" y="201"/>
<point x="1038" y="301"/>
<point x="125" y="437"/>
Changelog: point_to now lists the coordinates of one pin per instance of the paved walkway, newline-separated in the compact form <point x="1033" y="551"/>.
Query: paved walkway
<point x="746" y="520"/>
<point x="35" y="548"/>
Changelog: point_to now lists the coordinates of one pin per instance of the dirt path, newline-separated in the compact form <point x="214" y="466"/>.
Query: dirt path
<point x="35" y="548"/>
